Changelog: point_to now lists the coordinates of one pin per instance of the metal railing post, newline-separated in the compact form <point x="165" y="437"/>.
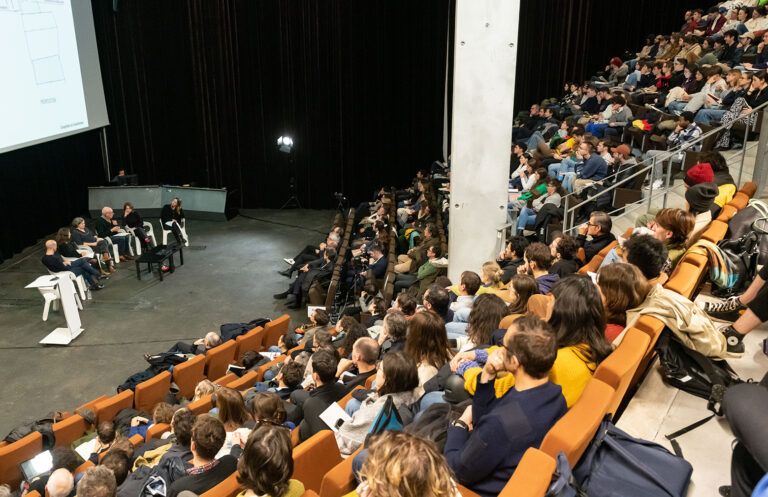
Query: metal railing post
<point x="565" y="215"/>
<point x="653" y="179"/>
<point x="666" y="182"/>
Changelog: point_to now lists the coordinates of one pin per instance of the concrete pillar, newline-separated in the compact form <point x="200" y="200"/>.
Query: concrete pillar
<point x="483" y="93"/>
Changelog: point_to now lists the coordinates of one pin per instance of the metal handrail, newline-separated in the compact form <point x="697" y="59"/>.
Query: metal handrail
<point x="650" y="164"/>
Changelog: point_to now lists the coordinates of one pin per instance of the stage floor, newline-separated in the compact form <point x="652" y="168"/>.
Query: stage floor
<point x="229" y="275"/>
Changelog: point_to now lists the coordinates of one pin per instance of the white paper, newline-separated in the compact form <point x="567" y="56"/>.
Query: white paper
<point x="332" y="415"/>
<point x="86" y="449"/>
<point x="313" y="308"/>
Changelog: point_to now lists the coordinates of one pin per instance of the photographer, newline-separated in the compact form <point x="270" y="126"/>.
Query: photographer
<point x="374" y="260"/>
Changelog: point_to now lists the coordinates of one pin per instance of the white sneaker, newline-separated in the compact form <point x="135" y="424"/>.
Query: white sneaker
<point x="290" y="261"/>
<point x="657" y="184"/>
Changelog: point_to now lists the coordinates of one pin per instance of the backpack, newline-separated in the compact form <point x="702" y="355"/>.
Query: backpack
<point x="230" y="331"/>
<point x="618" y="464"/>
<point x="696" y="374"/>
<point x="44" y="426"/>
<point x="741" y="257"/>
<point x="741" y="224"/>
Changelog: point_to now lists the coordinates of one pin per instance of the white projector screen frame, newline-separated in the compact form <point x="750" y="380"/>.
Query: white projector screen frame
<point x="48" y="78"/>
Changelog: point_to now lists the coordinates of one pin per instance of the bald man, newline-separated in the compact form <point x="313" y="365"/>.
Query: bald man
<point x="60" y="483"/>
<point x="54" y="262"/>
<point x="106" y="227"/>
<point x="354" y="372"/>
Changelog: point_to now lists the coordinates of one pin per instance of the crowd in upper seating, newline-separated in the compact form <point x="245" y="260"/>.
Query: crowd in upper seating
<point x="497" y="357"/>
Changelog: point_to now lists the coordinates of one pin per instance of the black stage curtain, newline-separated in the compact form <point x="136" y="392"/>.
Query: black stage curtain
<point x="43" y="187"/>
<point x="570" y="40"/>
<point x="198" y="92"/>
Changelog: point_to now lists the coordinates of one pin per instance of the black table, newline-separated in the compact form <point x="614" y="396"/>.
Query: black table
<point x="159" y="255"/>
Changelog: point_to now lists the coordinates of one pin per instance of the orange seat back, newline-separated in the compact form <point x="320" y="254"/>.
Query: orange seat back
<point x="201" y="405"/>
<point x="532" y="475"/>
<point x="250" y="341"/>
<point x="726" y="213"/>
<point x="70" y="429"/>
<point x="573" y="432"/>
<point x="594" y="264"/>
<point x="348" y="397"/>
<point x="309" y="493"/>
<point x="339" y="480"/>
<point x="313" y="458"/>
<point x="227" y="488"/>
<point x="749" y="189"/>
<point x="541" y="305"/>
<point x="226" y="379"/>
<point x="151" y="392"/>
<point x="107" y="408"/>
<point x="581" y="254"/>
<point x="684" y="280"/>
<point x="136" y="440"/>
<point x="740" y="200"/>
<point x="218" y="359"/>
<point x="90" y="405"/>
<point x="716" y="231"/>
<point x="13" y="454"/>
<point x="507" y="321"/>
<point x="275" y="329"/>
<point x="369" y="382"/>
<point x="157" y="430"/>
<point x="188" y="374"/>
<point x="618" y="369"/>
<point x="246" y="381"/>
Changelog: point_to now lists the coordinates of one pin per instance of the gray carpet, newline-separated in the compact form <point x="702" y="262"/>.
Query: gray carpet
<point x="229" y="276"/>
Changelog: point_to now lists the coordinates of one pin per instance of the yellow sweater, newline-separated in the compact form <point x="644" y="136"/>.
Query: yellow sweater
<point x="571" y="371"/>
<point x="295" y="489"/>
<point x="483" y="289"/>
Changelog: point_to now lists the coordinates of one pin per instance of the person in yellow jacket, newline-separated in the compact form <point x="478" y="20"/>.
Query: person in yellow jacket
<point x="578" y="319"/>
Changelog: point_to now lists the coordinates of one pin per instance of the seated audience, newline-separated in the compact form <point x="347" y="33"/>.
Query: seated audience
<point x="362" y="364"/>
<point x="393" y="331"/>
<point x="512" y="257"/>
<point x="345" y="342"/>
<point x="466" y="290"/>
<point x="564" y="250"/>
<point x="207" y="471"/>
<point x="233" y="415"/>
<point x="268" y="407"/>
<point x="527" y="217"/>
<point x="599" y="229"/>
<point x="105" y="437"/>
<point x="317" y="270"/>
<point x="405" y="465"/>
<point x="61" y="458"/>
<point x="120" y="464"/>
<point x="327" y="391"/>
<point x="648" y="254"/>
<point x="672" y="227"/>
<point x="427" y="344"/>
<point x="487" y="313"/>
<point x="266" y="466"/>
<point x="538" y="260"/>
<point x="436" y="299"/>
<point x="98" y="481"/>
<point x="60" y="483"/>
<point x="80" y="267"/>
<point x="311" y="253"/>
<point x="700" y="198"/>
<point x="521" y="288"/>
<point x="485" y="445"/>
<point x="426" y="270"/>
<point x="397" y="378"/>
<point x="162" y="413"/>
<point x="622" y="287"/>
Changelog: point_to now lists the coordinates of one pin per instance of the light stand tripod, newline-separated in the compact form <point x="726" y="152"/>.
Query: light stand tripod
<point x="293" y="200"/>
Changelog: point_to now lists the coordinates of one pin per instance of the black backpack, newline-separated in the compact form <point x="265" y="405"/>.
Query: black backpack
<point x="435" y="421"/>
<point x="693" y="372"/>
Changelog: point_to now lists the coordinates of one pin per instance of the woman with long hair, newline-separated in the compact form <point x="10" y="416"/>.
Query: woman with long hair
<point x="397" y="378"/>
<point x="68" y="248"/>
<point x="172" y="218"/>
<point x="233" y="415"/>
<point x="427" y="344"/>
<point x="622" y="286"/>
<point x="673" y="227"/>
<point x="133" y="220"/>
<point x="266" y="466"/>
<point x="487" y="312"/>
<point x="521" y="289"/>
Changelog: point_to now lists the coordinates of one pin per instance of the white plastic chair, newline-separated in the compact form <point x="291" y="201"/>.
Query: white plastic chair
<point x="149" y="230"/>
<point x="50" y="297"/>
<point x="79" y="285"/>
<point x="90" y="253"/>
<point x="51" y="294"/>
<point x="167" y="232"/>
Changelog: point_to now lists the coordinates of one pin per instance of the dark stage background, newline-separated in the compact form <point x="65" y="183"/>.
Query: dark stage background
<point x="199" y="90"/>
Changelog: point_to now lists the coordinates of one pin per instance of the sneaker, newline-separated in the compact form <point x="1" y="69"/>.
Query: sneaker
<point x="734" y="341"/>
<point x="725" y="491"/>
<point x="290" y="262"/>
<point x="657" y="184"/>
<point x="727" y="309"/>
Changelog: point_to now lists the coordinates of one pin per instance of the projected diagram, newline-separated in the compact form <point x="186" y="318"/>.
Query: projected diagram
<point x="41" y="33"/>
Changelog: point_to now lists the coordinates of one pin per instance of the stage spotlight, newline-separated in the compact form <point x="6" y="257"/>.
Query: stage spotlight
<point x="285" y="144"/>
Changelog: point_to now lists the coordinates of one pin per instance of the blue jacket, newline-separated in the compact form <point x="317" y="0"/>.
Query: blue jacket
<point x="379" y="268"/>
<point x="485" y="458"/>
<point x="546" y="282"/>
<point x="594" y="168"/>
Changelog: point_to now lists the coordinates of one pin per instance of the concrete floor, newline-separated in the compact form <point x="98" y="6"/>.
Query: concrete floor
<point x="229" y="276"/>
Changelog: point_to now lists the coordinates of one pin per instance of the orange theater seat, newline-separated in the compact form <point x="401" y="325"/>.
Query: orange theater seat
<point x="226" y="379"/>
<point x="339" y="480"/>
<point x="136" y="440"/>
<point x="151" y="392"/>
<point x="275" y="329"/>
<point x="740" y="200"/>
<point x="202" y="405"/>
<point x="716" y="231"/>
<point x="157" y="430"/>
<point x="573" y="432"/>
<point x="309" y="493"/>
<point x="247" y="381"/>
<point x="90" y="405"/>
<point x="188" y="374"/>
<point x="13" y="454"/>
<point x="618" y="369"/>
<point x="263" y="369"/>
<point x="218" y="359"/>
<point x="348" y="397"/>
<point x="227" y="488"/>
<point x="106" y="409"/>
<point x="749" y="189"/>
<point x="250" y="341"/>
<point x="532" y="475"/>
<point x="727" y="212"/>
<point x="70" y="429"/>
<point x="313" y="458"/>
<point x="685" y="279"/>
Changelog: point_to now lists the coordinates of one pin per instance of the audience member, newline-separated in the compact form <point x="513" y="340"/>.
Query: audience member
<point x="105" y="437"/>
<point x="233" y="415"/>
<point x="60" y="483"/>
<point x="564" y="250"/>
<point x="484" y="320"/>
<point x="599" y="229"/>
<point x="392" y="335"/>
<point x="80" y="267"/>
<point x="362" y="364"/>
<point x="98" y="481"/>
<point x="427" y="344"/>
<point x="512" y="257"/>
<point x="622" y="287"/>
<point x="266" y="467"/>
<point x="538" y="260"/>
<point x="469" y="284"/>
<point x="327" y="391"/>
<point x="61" y="458"/>
<point x="397" y="379"/>
<point x="436" y="299"/>
<point x="485" y="445"/>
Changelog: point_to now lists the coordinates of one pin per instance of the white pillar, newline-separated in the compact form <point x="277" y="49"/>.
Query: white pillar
<point x="483" y="93"/>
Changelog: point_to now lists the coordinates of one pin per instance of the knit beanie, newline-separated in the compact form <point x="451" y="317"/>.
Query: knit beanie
<point x="700" y="173"/>
<point x="701" y="197"/>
